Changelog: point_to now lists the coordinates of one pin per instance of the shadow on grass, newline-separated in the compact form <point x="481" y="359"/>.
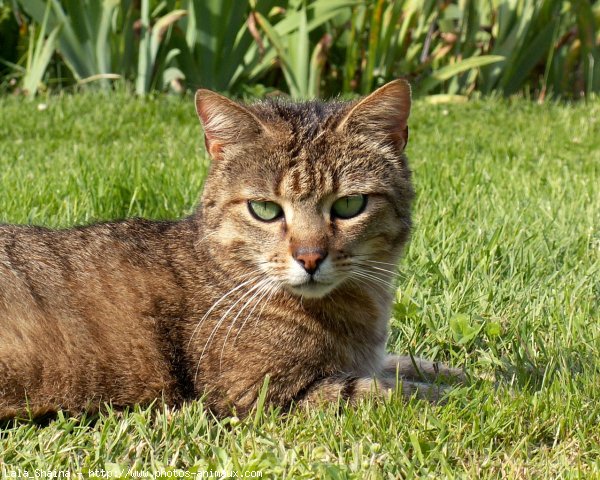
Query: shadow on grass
<point x="534" y="374"/>
<point x="61" y="417"/>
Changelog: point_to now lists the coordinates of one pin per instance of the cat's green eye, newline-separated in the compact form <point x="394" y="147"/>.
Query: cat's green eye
<point x="348" y="207"/>
<point x="265" y="211"/>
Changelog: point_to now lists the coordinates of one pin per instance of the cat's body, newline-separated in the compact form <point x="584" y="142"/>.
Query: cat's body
<point x="128" y="312"/>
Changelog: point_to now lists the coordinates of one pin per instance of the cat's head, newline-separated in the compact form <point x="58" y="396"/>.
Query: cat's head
<point x="311" y="196"/>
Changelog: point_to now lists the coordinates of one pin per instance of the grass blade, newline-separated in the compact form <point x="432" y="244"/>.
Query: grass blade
<point x="260" y="403"/>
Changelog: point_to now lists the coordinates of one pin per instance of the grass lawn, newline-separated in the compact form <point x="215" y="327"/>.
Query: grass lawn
<point x="502" y="277"/>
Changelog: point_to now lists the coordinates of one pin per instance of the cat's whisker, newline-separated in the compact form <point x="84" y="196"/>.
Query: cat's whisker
<point x="371" y="268"/>
<point x="263" y="284"/>
<point x="206" y="236"/>
<point x="358" y="282"/>
<point x="368" y="269"/>
<point x="367" y="258"/>
<point x="382" y="273"/>
<point x="273" y="290"/>
<point x="224" y="316"/>
<point x="360" y="256"/>
<point x="381" y="263"/>
<point x="364" y="261"/>
<point x="353" y="282"/>
<point x="376" y="288"/>
<point x="375" y="279"/>
<point x="218" y="325"/>
<point x="379" y="281"/>
<point x="368" y="281"/>
<point x="214" y="305"/>
<point x="268" y="290"/>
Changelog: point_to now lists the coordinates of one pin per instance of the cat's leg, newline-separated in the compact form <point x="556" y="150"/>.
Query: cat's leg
<point x="418" y="369"/>
<point x="348" y="388"/>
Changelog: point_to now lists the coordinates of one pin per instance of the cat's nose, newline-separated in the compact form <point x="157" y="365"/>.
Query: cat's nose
<point x="309" y="258"/>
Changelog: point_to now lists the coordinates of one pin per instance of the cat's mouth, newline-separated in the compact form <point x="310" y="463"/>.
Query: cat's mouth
<point x="312" y="289"/>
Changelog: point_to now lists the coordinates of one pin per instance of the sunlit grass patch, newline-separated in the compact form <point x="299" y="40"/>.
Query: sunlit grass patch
<point x="502" y="277"/>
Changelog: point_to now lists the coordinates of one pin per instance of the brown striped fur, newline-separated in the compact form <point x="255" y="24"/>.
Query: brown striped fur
<point x="131" y="311"/>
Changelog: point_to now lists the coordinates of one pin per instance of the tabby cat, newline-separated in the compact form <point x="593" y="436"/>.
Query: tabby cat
<point x="284" y="270"/>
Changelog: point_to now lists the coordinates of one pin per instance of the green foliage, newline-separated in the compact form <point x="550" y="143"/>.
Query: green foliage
<point x="321" y="47"/>
<point x="153" y="58"/>
<point x="397" y="38"/>
<point x="524" y="44"/>
<point x="502" y="276"/>
<point x="85" y="32"/>
<point x="213" y="43"/>
<point x="39" y="54"/>
<point x="303" y="64"/>
<point x="9" y="37"/>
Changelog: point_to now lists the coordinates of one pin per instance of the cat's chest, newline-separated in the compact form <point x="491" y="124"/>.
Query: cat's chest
<point x="286" y="337"/>
<point x="231" y="354"/>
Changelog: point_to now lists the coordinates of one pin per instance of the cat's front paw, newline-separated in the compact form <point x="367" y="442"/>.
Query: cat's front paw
<point x="420" y="370"/>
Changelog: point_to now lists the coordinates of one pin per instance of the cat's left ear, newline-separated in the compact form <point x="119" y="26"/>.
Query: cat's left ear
<point x="383" y="114"/>
<point x="226" y="123"/>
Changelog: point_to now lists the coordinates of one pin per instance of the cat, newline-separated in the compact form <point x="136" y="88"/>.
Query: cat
<point x="284" y="270"/>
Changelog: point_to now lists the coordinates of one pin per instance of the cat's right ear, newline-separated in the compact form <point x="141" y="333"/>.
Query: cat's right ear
<point x="383" y="115"/>
<point x="226" y="124"/>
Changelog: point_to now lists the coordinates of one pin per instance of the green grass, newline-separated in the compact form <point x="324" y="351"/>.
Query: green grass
<point x="502" y="277"/>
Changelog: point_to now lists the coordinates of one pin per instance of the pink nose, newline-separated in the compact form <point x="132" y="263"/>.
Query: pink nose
<point x="310" y="258"/>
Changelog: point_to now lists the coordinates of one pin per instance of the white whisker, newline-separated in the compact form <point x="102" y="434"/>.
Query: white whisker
<point x="362" y="258"/>
<point x="213" y="306"/>
<point x="374" y="261"/>
<point x="391" y="272"/>
<point x="382" y="293"/>
<point x="263" y="307"/>
<point x="358" y="282"/>
<point x="262" y="284"/>
<point x="269" y="289"/>
<point x="218" y="325"/>
<point x="377" y="280"/>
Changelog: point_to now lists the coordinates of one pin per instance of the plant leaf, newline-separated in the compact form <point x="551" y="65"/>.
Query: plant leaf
<point x="449" y="71"/>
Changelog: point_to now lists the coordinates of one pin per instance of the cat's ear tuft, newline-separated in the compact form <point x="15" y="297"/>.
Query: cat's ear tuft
<point x="226" y="123"/>
<point x="383" y="114"/>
